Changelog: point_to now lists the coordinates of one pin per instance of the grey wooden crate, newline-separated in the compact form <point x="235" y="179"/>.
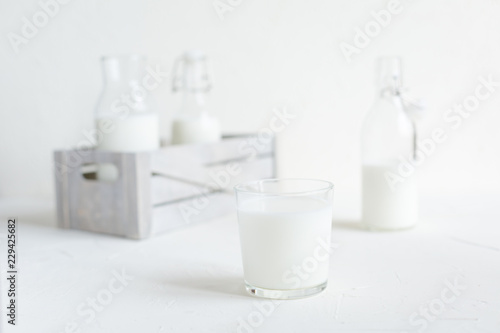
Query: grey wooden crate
<point x="157" y="191"/>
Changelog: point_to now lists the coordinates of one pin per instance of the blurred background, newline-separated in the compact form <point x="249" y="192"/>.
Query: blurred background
<point x="264" y="55"/>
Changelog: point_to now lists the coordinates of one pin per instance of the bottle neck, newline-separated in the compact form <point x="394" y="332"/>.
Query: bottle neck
<point x="123" y="89"/>
<point x="392" y="94"/>
<point x="123" y="71"/>
<point x="390" y="86"/>
<point x="388" y="76"/>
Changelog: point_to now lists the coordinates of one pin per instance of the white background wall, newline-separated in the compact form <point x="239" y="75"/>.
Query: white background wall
<point x="265" y="54"/>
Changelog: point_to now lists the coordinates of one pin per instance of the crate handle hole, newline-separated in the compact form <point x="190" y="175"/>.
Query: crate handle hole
<point x="102" y="172"/>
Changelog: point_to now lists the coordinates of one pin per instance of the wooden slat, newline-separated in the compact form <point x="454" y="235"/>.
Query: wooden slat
<point x="165" y="190"/>
<point x="191" y="162"/>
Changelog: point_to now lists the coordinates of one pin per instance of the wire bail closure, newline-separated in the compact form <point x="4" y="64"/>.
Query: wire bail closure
<point x="202" y="83"/>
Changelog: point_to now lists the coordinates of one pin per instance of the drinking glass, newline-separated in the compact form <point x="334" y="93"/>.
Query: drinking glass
<point x="285" y="227"/>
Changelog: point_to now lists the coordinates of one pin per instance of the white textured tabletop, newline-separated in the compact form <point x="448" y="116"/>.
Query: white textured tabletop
<point x="443" y="276"/>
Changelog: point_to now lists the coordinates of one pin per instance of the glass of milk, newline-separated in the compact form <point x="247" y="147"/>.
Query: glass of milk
<point x="285" y="227"/>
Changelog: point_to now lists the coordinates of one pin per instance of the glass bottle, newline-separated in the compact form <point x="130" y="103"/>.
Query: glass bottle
<point x="193" y="124"/>
<point x="126" y="119"/>
<point x="390" y="198"/>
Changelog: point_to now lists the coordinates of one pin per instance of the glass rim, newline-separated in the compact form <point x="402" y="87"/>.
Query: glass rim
<point x="239" y="188"/>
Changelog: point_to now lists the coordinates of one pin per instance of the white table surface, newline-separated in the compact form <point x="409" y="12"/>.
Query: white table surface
<point x="190" y="280"/>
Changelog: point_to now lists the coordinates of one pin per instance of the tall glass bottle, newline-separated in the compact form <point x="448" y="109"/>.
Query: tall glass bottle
<point x="193" y="124"/>
<point x="126" y="118"/>
<point x="390" y="197"/>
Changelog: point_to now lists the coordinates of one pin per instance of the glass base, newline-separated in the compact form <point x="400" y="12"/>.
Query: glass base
<point x="285" y="294"/>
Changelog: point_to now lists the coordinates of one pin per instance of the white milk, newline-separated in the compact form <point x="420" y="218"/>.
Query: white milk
<point x="136" y="132"/>
<point x="278" y="234"/>
<point x="385" y="208"/>
<point x="196" y="130"/>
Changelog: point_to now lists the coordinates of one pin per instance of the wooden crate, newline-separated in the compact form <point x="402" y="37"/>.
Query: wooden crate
<point x="157" y="191"/>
